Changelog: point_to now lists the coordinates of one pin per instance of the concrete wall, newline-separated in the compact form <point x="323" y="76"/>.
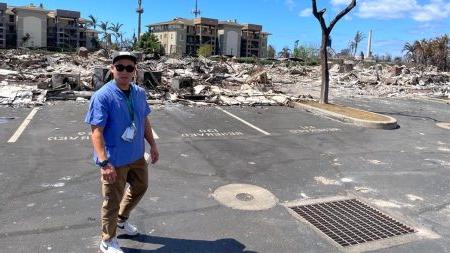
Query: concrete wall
<point x="230" y="40"/>
<point x="264" y="47"/>
<point x="33" y="23"/>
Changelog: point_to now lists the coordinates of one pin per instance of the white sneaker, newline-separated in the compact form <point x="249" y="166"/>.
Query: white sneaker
<point x="111" y="246"/>
<point x="125" y="228"/>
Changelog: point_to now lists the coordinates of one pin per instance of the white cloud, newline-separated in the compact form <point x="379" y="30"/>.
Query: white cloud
<point x="394" y="9"/>
<point x="437" y="9"/>
<point x="306" y="12"/>
<point x="340" y="2"/>
<point x="290" y="4"/>
<point x="386" y="9"/>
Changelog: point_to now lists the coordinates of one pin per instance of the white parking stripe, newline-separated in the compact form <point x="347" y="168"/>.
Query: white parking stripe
<point x="243" y="121"/>
<point x="155" y="136"/>
<point x="24" y="125"/>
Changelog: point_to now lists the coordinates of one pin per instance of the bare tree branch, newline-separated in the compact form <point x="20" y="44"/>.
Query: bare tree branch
<point x="340" y="15"/>
<point x="319" y="15"/>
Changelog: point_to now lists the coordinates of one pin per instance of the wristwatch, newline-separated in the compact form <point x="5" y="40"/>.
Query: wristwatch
<point x="103" y="163"/>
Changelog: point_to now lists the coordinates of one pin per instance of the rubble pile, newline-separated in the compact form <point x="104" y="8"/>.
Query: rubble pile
<point x="392" y="81"/>
<point x="33" y="77"/>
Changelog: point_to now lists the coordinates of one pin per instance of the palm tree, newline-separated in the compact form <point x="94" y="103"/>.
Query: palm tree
<point x="410" y="54"/>
<point x="115" y="28"/>
<point x="93" y="21"/>
<point x="104" y="27"/>
<point x="359" y="36"/>
<point x="284" y="53"/>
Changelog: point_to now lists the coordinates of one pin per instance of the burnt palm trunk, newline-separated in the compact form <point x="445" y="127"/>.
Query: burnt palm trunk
<point x="326" y="31"/>
<point x="325" y="72"/>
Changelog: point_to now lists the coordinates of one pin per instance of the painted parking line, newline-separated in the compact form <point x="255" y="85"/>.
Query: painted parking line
<point x="22" y="126"/>
<point x="243" y="121"/>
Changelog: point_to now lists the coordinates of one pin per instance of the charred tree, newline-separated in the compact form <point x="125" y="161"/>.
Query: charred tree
<point x="323" y="49"/>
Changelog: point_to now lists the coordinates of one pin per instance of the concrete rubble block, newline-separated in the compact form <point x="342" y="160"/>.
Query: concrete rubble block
<point x="44" y="85"/>
<point x="70" y="79"/>
<point x="228" y="101"/>
<point x="6" y="72"/>
<point x="101" y="53"/>
<point x="199" y="88"/>
<point x="389" y="80"/>
<point x="396" y="70"/>
<point x="83" y="52"/>
<point x="181" y="83"/>
<point x="100" y="76"/>
<point x="219" y="69"/>
<point x="297" y="71"/>
<point x="347" y="66"/>
<point x="83" y="94"/>
<point x="258" y="77"/>
<point x="150" y="79"/>
<point x="406" y="71"/>
<point x="280" y="99"/>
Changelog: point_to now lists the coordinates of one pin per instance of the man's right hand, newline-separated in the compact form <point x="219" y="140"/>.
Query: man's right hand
<point x="109" y="173"/>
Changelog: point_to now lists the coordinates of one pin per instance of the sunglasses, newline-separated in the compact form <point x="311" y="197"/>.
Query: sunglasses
<point x="128" y="68"/>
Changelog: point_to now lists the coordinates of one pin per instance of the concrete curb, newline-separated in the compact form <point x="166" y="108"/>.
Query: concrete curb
<point x="437" y="100"/>
<point x="390" y="123"/>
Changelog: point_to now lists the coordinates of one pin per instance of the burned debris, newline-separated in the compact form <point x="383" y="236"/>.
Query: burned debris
<point x="33" y="77"/>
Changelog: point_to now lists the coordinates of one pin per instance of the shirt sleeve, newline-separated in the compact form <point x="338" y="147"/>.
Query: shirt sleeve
<point x="147" y="109"/>
<point x="97" y="114"/>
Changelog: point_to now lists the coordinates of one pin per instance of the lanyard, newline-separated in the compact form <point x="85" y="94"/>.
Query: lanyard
<point x="130" y="105"/>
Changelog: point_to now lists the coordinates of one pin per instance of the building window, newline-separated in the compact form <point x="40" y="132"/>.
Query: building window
<point x="181" y="37"/>
<point x="171" y="36"/>
<point x="1" y="13"/>
<point x="11" y="18"/>
<point x="11" y="28"/>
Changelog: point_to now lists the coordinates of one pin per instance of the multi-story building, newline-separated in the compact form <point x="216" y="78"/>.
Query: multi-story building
<point x="35" y="27"/>
<point x="184" y="37"/>
<point x="230" y="36"/>
<point x="2" y="25"/>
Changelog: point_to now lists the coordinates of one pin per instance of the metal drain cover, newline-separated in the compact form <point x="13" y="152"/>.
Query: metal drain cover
<point x="353" y="224"/>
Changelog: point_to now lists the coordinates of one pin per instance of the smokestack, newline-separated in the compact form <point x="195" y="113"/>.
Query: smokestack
<point x="369" y="45"/>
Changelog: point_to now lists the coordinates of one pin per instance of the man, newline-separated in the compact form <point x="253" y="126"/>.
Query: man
<point x="118" y="118"/>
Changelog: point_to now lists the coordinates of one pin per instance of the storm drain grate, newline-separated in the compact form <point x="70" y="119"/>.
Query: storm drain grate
<point x="351" y="222"/>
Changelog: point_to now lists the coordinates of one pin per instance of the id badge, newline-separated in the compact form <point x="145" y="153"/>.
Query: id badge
<point x="129" y="133"/>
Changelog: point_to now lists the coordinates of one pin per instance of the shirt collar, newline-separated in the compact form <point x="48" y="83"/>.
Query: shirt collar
<point x="113" y="85"/>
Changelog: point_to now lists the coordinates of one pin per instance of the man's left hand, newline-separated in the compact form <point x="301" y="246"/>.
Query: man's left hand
<point x="154" y="154"/>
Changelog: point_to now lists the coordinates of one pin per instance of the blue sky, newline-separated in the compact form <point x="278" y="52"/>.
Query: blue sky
<point x="393" y="22"/>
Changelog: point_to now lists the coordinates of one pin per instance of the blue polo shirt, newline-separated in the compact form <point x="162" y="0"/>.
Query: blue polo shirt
<point x="109" y="109"/>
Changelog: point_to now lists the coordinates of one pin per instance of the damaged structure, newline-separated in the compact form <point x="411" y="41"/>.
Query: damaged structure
<point x="35" y="27"/>
<point x="182" y="36"/>
<point x="30" y="78"/>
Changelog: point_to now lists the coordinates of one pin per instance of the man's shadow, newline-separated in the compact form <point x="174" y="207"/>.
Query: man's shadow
<point x="173" y="245"/>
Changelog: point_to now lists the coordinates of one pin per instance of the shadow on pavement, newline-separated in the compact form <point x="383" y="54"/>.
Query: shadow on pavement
<point x="172" y="245"/>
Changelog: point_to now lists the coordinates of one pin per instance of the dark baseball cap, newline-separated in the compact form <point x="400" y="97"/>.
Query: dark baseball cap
<point x="123" y="55"/>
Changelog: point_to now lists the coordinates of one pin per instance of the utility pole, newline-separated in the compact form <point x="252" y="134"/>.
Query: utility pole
<point x="139" y="10"/>
<point x="196" y="11"/>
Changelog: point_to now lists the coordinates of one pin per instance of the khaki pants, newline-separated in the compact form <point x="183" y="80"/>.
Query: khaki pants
<point x="115" y="203"/>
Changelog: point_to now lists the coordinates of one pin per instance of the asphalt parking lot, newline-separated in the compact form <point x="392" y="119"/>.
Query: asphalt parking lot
<point x="50" y="199"/>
